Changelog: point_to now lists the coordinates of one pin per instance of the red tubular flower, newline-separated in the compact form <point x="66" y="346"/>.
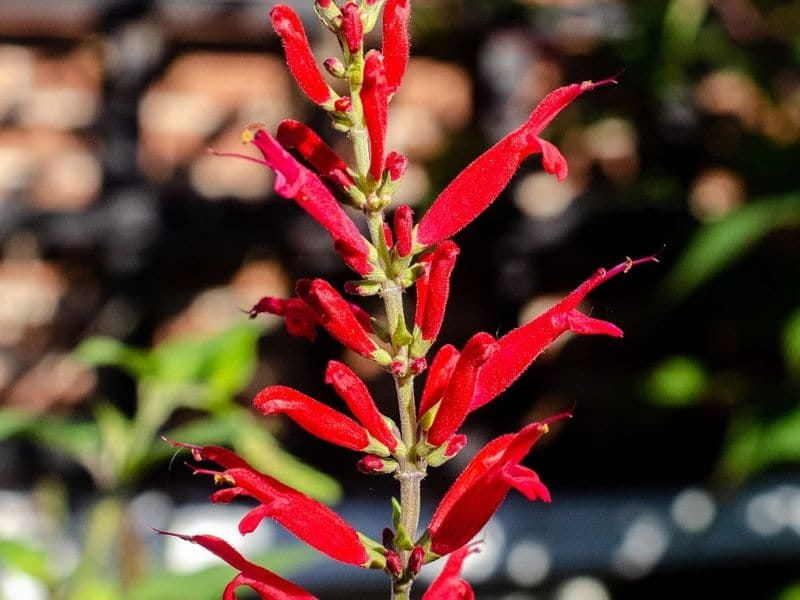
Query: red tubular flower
<point x="483" y="485"/>
<point x="315" y="417"/>
<point x="352" y="27"/>
<point x="300" y="320"/>
<point x="376" y="111"/>
<point x="449" y="585"/>
<point x="358" y="399"/>
<point x="433" y="290"/>
<point x="519" y="348"/>
<point x="293" y="180"/>
<point x="396" y="44"/>
<point x="309" y="520"/>
<point x="477" y="186"/>
<point x="299" y="57"/>
<point x="461" y="388"/>
<point x="335" y="315"/>
<point x="403" y="228"/>
<point x="439" y="374"/>
<point x="297" y="136"/>
<point x="265" y="583"/>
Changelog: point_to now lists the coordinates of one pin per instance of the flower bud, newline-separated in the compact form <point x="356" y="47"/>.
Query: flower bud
<point x="365" y="287"/>
<point x="352" y="27"/>
<point x="446" y="451"/>
<point x="393" y="563"/>
<point x="403" y="229"/>
<point x="416" y="560"/>
<point x="388" y="538"/>
<point x="335" y="67"/>
<point x="396" y="165"/>
<point x="376" y="109"/>
<point x="343" y="104"/>
<point x="418" y="365"/>
<point x="375" y="465"/>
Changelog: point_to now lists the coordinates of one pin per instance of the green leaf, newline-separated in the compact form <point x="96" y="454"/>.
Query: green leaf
<point x="110" y="352"/>
<point x="756" y="444"/>
<point x="791" y="343"/>
<point x="717" y="245"/>
<point x="26" y="558"/>
<point x="13" y="422"/>
<point x="677" y="381"/>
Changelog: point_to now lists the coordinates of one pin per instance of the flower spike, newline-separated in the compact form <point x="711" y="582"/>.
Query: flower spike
<point x="376" y="109"/>
<point x="449" y="585"/>
<point x="294" y="135"/>
<point x="477" y="186"/>
<point x="265" y="583"/>
<point x="316" y="418"/>
<point x="336" y="316"/>
<point x="483" y="485"/>
<point x="308" y="519"/>
<point x="358" y="399"/>
<point x="396" y="44"/>
<point x="460" y="390"/>
<point x="519" y="348"/>
<point x="304" y="69"/>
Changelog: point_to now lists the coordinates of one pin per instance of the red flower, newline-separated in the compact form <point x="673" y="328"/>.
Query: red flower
<point x="449" y="585"/>
<point x="358" y="399"/>
<point x="439" y="374"/>
<point x="335" y="315"/>
<point x="299" y="57"/>
<point x="519" y="348"/>
<point x="309" y="520"/>
<point x="301" y="320"/>
<point x="433" y="291"/>
<point x="396" y="44"/>
<point x="317" y="418"/>
<point x="477" y="186"/>
<point x="294" y="135"/>
<point x="376" y="111"/>
<point x="352" y="27"/>
<point x="461" y="388"/>
<point x="266" y="584"/>
<point x="403" y="226"/>
<point x="482" y="486"/>
<point x="293" y="180"/>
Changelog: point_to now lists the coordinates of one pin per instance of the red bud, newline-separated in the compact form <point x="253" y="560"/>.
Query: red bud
<point x="376" y="110"/>
<point x="403" y="228"/>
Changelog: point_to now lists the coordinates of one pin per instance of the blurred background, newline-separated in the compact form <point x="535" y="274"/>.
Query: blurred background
<point x="127" y="255"/>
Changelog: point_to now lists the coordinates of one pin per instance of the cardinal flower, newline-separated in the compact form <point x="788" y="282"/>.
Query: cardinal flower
<point x="477" y="186"/>
<point x="265" y="583"/>
<point x="483" y="485"/>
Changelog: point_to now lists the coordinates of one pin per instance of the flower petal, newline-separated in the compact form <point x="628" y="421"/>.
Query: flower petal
<point x="299" y="57"/>
<point x="396" y="43"/>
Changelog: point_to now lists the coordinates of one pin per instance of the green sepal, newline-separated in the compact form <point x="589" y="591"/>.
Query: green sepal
<point x="364" y="287"/>
<point x="376" y="447"/>
<point x="370" y="18"/>
<point x="410" y="276"/>
<point x="375" y="551"/>
<point x="401" y="336"/>
<point x="438" y="456"/>
<point x="401" y="539"/>
<point x="429" y="417"/>
<point x="382" y="357"/>
<point x="397" y="513"/>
